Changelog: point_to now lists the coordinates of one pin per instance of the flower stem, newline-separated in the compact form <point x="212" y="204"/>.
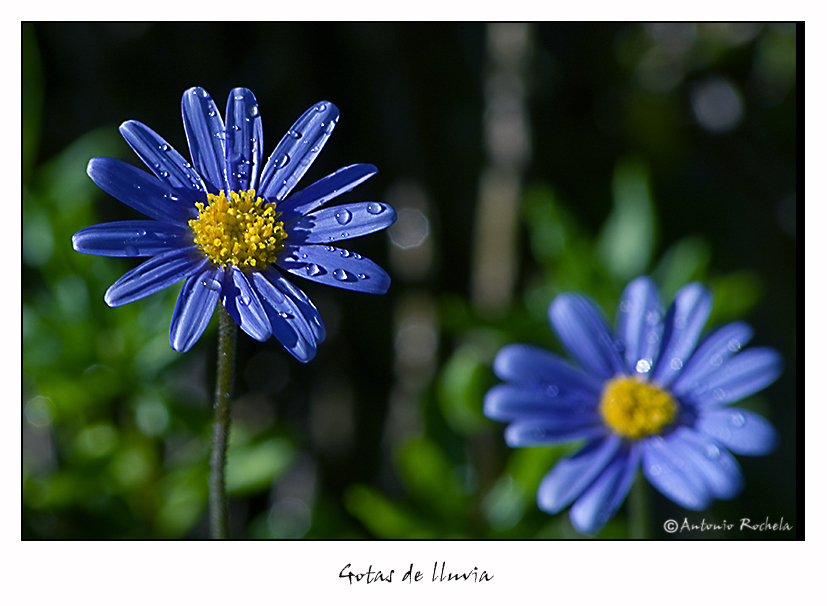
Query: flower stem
<point x="638" y="509"/>
<point x="219" y="518"/>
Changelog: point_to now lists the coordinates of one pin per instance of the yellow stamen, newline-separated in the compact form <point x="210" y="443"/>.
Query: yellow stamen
<point x="241" y="231"/>
<point x="635" y="409"/>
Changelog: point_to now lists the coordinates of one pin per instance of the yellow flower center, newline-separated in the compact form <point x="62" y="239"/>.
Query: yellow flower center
<point x="241" y="231"/>
<point x="634" y="409"/>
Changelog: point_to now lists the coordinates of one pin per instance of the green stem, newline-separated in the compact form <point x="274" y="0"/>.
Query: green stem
<point x="219" y="518"/>
<point x="638" y="509"/>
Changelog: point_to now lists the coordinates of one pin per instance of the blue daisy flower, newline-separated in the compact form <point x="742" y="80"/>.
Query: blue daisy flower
<point x="225" y="225"/>
<point x="646" y="395"/>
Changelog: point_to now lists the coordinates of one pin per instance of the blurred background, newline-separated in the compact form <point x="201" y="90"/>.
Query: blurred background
<point x="522" y="160"/>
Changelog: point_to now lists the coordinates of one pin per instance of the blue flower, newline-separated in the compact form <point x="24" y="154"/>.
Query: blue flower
<point x="224" y="223"/>
<point x="646" y="396"/>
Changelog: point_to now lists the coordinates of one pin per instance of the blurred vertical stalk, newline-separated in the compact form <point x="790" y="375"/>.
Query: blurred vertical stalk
<point x="508" y="148"/>
<point x="638" y="509"/>
<point x="219" y="517"/>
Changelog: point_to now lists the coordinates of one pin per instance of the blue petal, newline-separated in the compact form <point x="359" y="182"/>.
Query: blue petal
<point x="716" y="349"/>
<point x="506" y="402"/>
<point x="683" y="325"/>
<point x="131" y="238"/>
<point x="668" y="469"/>
<point x="570" y="477"/>
<point x="302" y="301"/>
<point x="296" y="151"/>
<point x="742" y="375"/>
<point x="340" y="223"/>
<point x="244" y="140"/>
<point x="194" y="308"/>
<point x="205" y="136"/>
<point x="719" y="469"/>
<point x="322" y="191"/>
<point x="582" y="328"/>
<point x="525" y="364"/>
<point x="603" y="498"/>
<point x="287" y="321"/>
<point x="553" y="429"/>
<point x="155" y="274"/>
<point x="243" y="304"/>
<point x="335" y="267"/>
<point x="167" y="164"/>
<point x="640" y="324"/>
<point x="139" y="189"/>
<point x="741" y="431"/>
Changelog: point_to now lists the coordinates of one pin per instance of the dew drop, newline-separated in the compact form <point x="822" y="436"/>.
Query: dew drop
<point x="130" y="251"/>
<point x="165" y="147"/>
<point x="718" y="394"/>
<point x="141" y="233"/>
<point x="282" y="160"/>
<point x="734" y="345"/>
<point x="375" y="208"/>
<point x="294" y="134"/>
<point x="244" y="300"/>
<point x="254" y="111"/>
<point x="655" y="470"/>
<point x="676" y="363"/>
<point x="552" y="391"/>
<point x="356" y="255"/>
<point x="163" y="174"/>
<point x="343" y="216"/>
<point x="313" y="270"/>
<point x="363" y="276"/>
<point x="321" y="107"/>
<point x="211" y="284"/>
<point x="341" y="275"/>
<point x="344" y="253"/>
<point x="712" y="452"/>
<point x="643" y="365"/>
<point x="212" y="113"/>
<point x="716" y="360"/>
<point x="737" y="420"/>
<point x="285" y="315"/>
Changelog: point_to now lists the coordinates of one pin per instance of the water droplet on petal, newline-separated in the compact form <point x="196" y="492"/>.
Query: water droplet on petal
<point x="737" y="419"/>
<point x="313" y="270"/>
<point x="718" y="394"/>
<point x="716" y="360"/>
<point x="254" y="111"/>
<point x="321" y="107"/>
<point x="344" y="253"/>
<point x="130" y="251"/>
<point x="294" y="134"/>
<point x="243" y="300"/>
<point x="285" y="315"/>
<point x="655" y="470"/>
<point x="341" y="275"/>
<point x="343" y="216"/>
<point x="211" y="284"/>
<point x="282" y="160"/>
<point x="643" y="365"/>
<point x="712" y="452"/>
<point x="375" y="208"/>
<point x="165" y="147"/>
<point x="363" y="276"/>
<point x="552" y="391"/>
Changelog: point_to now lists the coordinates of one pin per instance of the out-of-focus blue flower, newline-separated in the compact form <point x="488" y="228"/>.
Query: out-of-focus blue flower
<point x="646" y="395"/>
<point x="223" y="223"/>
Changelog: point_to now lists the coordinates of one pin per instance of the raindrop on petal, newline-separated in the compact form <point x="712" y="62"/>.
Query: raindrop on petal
<point x="375" y="208"/>
<point x="313" y="270"/>
<point x="282" y="160"/>
<point x="340" y="274"/>
<point x="343" y="216"/>
<point x="211" y="284"/>
<point x="130" y="251"/>
<point x="737" y="419"/>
